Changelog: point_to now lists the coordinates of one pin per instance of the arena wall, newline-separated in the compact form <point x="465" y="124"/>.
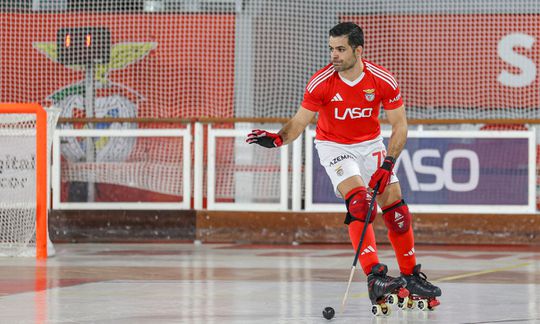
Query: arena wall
<point x="281" y="227"/>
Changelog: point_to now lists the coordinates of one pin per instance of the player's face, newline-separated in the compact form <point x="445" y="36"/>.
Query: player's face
<point x="342" y="54"/>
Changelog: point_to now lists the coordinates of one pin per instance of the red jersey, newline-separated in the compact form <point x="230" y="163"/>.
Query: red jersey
<point x="349" y="111"/>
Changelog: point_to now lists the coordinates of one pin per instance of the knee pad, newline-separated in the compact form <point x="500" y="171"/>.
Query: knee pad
<point x="357" y="203"/>
<point x="397" y="217"/>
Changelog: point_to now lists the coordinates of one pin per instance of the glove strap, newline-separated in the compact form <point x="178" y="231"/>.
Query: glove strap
<point x="388" y="163"/>
<point x="278" y="141"/>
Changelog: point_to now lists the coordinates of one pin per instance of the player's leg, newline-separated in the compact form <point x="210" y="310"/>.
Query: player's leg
<point x="343" y="169"/>
<point x="341" y="165"/>
<point x="380" y="285"/>
<point x="357" y="202"/>
<point x="398" y="220"/>
<point x="395" y="212"/>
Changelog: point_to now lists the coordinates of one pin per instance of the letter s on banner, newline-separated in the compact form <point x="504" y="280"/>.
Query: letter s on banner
<point x="437" y="172"/>
<point x="506" y="52"/>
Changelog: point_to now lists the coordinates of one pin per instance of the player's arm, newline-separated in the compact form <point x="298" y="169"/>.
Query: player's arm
<point x="398" y="119"/>
<point x="294" y="127"/>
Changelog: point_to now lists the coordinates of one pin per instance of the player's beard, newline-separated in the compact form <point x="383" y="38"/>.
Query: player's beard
<point x="346" y="65"/>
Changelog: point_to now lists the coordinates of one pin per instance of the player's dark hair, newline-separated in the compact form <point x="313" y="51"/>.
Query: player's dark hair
<point x="353" y="32"/>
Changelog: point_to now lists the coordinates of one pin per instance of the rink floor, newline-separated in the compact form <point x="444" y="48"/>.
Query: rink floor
<point x="226" y="283"/>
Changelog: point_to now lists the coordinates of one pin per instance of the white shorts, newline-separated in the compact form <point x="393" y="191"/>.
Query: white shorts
<point x="342" y="161"/>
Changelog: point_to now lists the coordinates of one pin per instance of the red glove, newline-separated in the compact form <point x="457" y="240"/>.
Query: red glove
<point x="382" y="175"/>
<point x="264" y="138"/>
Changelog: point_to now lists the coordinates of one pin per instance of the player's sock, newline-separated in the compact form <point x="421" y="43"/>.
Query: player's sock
<point x="368" y="255"/>
<point x="404" y="248"/>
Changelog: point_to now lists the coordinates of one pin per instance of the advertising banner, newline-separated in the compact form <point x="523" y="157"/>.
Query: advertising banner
<point x="17" y="170"/>
<point x="161" y="65"/>
<point x="492" y="65"/>
<point x="450" y="169"/>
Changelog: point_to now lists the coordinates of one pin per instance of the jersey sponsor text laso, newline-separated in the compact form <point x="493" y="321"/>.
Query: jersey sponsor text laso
<point x="353" y="113"/>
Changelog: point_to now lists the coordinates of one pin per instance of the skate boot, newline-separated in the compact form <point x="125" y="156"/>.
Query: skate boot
<point x="384" y="290"/>
<point x="422" y="293"/>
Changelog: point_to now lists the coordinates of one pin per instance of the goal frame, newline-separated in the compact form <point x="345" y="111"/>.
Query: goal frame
<point x="41" y="168"/>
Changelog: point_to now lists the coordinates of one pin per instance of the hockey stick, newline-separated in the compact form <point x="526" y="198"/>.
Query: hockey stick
<point x="366" y="222"/>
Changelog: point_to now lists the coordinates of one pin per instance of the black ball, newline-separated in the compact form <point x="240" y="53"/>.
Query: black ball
<point x="328" y="313"/>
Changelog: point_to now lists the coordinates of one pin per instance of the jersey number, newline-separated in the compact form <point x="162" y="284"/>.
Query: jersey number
<point x="380" y="156"/>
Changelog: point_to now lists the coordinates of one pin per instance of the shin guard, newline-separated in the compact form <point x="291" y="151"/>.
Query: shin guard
<point x="400" y="233"/>
<point x="397" y="217"/>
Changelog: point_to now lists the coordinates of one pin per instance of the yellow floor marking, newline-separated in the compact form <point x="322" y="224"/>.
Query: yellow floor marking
<point x="477" y="273"/>
<point x="362" y="295"/>
<point x="465" y="275"/>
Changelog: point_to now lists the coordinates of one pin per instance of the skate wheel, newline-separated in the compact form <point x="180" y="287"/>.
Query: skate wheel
<point x="376" y="310"/>
<point x="392" y="299"/>
<point x="386" y="309"/>
<point x="408" y="303"/>
<point x="402" y="302"/>
<point x="423" y="304"/>
<point x="381" y="309"/>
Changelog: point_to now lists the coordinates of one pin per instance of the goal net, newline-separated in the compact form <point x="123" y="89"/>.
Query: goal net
<point x="253" y="58"/>
<point x="25" y="131"/>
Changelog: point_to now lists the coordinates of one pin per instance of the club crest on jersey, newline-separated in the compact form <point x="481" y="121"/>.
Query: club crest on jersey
<point x="369" y="94"/>
<point x="339" y="170"/>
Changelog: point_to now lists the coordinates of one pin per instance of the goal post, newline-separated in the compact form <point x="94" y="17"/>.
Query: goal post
<point x="24" y="149"/>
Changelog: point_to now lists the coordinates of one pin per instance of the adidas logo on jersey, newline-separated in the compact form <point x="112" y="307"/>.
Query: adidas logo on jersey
<point x="337" y="97"/>
<point x="368" y="249"/>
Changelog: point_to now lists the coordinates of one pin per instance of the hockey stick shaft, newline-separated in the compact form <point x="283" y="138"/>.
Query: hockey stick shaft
<point x="366" y="223"/>
<point x="358" y="249"/>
